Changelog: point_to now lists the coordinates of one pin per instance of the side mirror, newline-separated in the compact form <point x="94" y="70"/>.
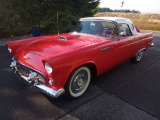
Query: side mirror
<point x="123" y="33"/>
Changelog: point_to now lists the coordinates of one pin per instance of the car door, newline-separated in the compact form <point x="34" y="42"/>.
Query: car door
<point x="126" y="45"/>
<point x="107" y="47"/>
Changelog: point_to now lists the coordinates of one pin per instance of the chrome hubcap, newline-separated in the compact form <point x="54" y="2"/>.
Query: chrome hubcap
<point x="139" y="55"/>
<point x="79" y="82"/>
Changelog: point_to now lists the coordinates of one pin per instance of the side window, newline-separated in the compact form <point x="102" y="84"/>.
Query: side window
<point x="124" y="28"/>
<point x="109" y="29"/>
<point x="96" y="27"/>
<point x="108" y="26"/>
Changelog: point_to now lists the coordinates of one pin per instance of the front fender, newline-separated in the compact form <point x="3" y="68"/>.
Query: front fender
<point x="62" y="68"/>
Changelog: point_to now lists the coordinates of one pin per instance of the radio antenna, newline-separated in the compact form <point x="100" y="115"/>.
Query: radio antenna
<point x="57" y="24"/>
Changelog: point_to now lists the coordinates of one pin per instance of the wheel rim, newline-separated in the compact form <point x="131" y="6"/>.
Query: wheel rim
<point x="80" y="81"/>
<point x="139" y="55"/>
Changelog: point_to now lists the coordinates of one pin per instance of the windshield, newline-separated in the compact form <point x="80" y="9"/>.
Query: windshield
<point x="98" y="28"/>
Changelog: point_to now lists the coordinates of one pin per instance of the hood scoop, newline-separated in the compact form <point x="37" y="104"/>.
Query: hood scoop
<point x="62" y="38"/>
<point x="70" y="36"/>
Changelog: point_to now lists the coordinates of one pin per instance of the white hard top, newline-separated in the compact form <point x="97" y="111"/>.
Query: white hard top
<point x="115" y="19"/>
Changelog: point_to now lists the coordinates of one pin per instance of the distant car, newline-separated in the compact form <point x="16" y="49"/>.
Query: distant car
<point x="66" y="63"/>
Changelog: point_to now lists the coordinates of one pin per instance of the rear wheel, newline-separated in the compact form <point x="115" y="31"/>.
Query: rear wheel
<point x="78" y="82"/>
<point x="137" y="57"/>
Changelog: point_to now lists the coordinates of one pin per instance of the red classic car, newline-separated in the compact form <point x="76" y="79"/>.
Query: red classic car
<point x="66" y="63"/>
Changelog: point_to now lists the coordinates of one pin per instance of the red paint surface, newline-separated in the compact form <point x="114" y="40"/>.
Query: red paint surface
<point x="79" y="49"/>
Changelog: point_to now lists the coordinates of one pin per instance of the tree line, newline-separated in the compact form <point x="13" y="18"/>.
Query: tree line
<point x="21" y="16"/>
<point x="117" y="10"/>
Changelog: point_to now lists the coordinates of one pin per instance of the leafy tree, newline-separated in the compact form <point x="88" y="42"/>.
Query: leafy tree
<point x="21" y="16"/>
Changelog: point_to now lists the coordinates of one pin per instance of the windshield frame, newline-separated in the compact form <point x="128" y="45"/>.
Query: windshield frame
<point x="97" y="20"/>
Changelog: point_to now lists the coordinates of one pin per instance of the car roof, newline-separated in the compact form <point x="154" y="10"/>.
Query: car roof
<point x="115" y="19"/>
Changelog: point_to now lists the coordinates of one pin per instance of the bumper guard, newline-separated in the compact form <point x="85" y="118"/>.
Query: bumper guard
<point x="33" y="82"/>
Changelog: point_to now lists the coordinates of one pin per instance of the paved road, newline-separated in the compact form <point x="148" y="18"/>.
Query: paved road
<point x="127" y="92"/>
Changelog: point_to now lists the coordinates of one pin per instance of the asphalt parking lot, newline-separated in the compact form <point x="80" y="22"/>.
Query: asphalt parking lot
<point x="127" y="92"/>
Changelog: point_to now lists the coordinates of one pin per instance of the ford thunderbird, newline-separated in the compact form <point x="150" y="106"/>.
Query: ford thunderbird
<point x="66" y="63"/>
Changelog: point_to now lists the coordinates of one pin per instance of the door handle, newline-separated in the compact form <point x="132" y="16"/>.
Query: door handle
<point x="106" y="49"/>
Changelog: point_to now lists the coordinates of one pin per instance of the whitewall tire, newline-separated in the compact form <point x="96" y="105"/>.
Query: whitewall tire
<point x="78" y="82"/>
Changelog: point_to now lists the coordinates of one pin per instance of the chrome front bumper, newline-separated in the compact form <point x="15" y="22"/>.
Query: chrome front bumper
<point x="33" y="82"/>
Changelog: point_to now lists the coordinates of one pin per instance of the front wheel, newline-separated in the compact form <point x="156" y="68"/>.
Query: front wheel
<point x="137" y="57"/>
<point x="78" y="82"/>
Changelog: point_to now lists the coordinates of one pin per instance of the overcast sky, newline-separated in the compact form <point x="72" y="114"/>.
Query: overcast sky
<point x="144" y="6"/>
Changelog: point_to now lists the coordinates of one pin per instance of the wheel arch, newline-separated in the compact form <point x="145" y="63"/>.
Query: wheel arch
<point x="93" y="70"/>
<point x="92" y="67"/>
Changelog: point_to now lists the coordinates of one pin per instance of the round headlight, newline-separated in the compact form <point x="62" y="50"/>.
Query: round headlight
<point x="9" y="49"/>
<point x="48" y="68"/>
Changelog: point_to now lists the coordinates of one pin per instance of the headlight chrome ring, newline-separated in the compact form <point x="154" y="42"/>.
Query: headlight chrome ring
<point x="48" y="68"/>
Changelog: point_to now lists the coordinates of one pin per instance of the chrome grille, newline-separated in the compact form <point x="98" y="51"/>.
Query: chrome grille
<point x="24" y="69"/>
<point x="27" y="70"/>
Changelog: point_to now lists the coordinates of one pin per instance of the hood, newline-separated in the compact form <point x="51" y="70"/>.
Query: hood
<point x="48" y="46"/>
